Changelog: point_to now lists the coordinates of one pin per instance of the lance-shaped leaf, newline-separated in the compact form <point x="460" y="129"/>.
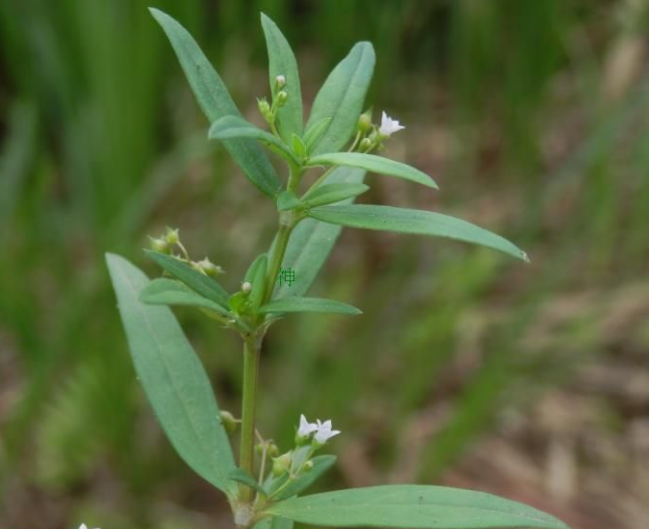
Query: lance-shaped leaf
<point x="320" y="465"/>
<point x="376" y="164"/>
<point x="273" y="522"/>
<point x="197" y="281"/>
<point x="314" y="132"/>
<point x="332" y="193"/>
<point x="281" y="61"/>
<point x="308" y="305"/>
<point x="162" y="291"/>
<point x="256" y="276"/>
<point x="173" y="378"/>
<point x="241" y="476"/>
<point x="214" y="98"/>
<point x="412" y="507"/>
<point x="341" y="98"/>
<point x="230" y="127"/>
<point x="311" y="242"/>
<point x="402" y="220"/>
<point x="287" y="200"/>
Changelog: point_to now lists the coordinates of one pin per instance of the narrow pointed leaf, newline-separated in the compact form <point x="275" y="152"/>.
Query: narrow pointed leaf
<point x="309" y="305"/>
<point x="173" y="378"/>
<point x="341" y="98"/>
<point x="402" y="220"/>
<point x="230" y="127"/>
<point x="412" y="507"/>
<point x="216" y="102"/>
<point x="205" y="286"/>
<point x="315" y="131"/>
<point x="258" y="281"/>
<point x="287" y="200"/>
<point x="162" y="291"/>
<point x="281" y="61"/>
<point x="320" y="465"/>
<point x="311" y="242"/>
<point x="241" y="476"/>
<point x="332" y="193"/>
<point x="373" y="163"/>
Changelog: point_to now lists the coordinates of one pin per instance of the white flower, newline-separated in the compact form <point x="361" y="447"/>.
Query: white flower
<point x="306" y="428"/>
<point x="389" y="126"/>
<point x="324" y="432"/>
<point x="280" y="81"/>
<point x="83" y="526"/>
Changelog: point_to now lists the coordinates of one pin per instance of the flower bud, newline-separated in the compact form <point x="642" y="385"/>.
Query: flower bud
<point x="280" y="82"/>
<point x="159" y="245"/>
<point x="171" y="236"/>
<point x="282" y="97"/>
<point x="365" y="144"/>
<point x="264" y="108"/>
<point x="281" y="464"/>
<point x="273" y="451"/>
<point x="229" y="422"/>
<point x="208" y="267"/>
<point x="307" y="466"/>
<point x="246" y="287"/>
<point x="365" y="122"/>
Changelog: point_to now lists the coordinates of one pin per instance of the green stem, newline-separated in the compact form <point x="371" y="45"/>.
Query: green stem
<point x="251" y="348"/>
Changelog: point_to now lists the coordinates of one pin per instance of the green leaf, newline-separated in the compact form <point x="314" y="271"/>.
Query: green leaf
<point x="402" y="220"/>
<point x="273" y="522"/>
<point x="214" y="98"/>
<point x="308" y="305"/>
<point x="241" y="476"/>
<point x="162" y="291"/>
<point x="320" y="465"/>
<point x="376" y="164"/>
<point x="197" y="281"/>
<point x="236" y="127"/>
<point x="173" y="378"/>
<point x="281" y="61"/>
<point x="287" y="200"/>
<point x="311" y="242"/>
<point x="341" y="98"/>
<point x="331" y="193"/>
<point x="298" y="147"/>
<point x="412" y="506"/>
<point x="257" y="277"/>
<point x="314" y="132"/>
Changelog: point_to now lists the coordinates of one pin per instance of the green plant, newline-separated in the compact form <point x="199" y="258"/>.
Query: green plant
<point x="308" y="223"/>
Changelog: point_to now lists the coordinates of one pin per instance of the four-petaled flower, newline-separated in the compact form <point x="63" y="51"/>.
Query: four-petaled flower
<point x="389" y="126"/>
<point x="324" y="432"/>
<point x="306" y="428"/>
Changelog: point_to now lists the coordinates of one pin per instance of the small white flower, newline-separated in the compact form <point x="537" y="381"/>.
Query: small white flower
<point x="83" y="526"/>
<point x="324" y="432"/>
<point x="306" y="428"/>
<point x="246" y="287"/>
<point x="389" y="126"/>
<point x="280" y="81"/>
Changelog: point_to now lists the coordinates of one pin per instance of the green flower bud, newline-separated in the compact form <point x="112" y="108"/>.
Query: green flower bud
<point x="159" y="245"/>
<point x="264" y="108"/>
<point x="208" y="267"/>
<point x="281" y="464"/>
<point x="282" y="97"/>
<point x="365" y="122"/>
<point x="172" y="236"/>
<point x="246" y="287"/>
<point x="229" y="422"/>
<point x="307" y="466"/>
<point x="273" y="451"/>
<point x="365" y="144"/>
<point x="280" y="82"/>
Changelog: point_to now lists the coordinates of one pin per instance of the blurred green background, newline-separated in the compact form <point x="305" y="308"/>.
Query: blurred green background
<point x="467" y="368"/>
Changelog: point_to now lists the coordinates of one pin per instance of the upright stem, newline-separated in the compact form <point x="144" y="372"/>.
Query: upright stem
<point x="251" y="347"/>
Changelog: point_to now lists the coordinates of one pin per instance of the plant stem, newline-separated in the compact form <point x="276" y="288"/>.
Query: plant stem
<point x="251" y="348"/>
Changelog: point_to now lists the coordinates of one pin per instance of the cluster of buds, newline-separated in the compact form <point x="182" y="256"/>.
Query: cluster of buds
<point x="371" y="136"/>
<point x="279" y="98"/>
<point x="169" y="241"/>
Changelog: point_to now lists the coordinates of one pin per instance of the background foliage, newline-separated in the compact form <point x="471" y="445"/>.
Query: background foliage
<point x="466" y="368"/>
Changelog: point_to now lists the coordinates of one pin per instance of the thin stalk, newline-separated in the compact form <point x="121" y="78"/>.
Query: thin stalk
<point x="251" y="348"/>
